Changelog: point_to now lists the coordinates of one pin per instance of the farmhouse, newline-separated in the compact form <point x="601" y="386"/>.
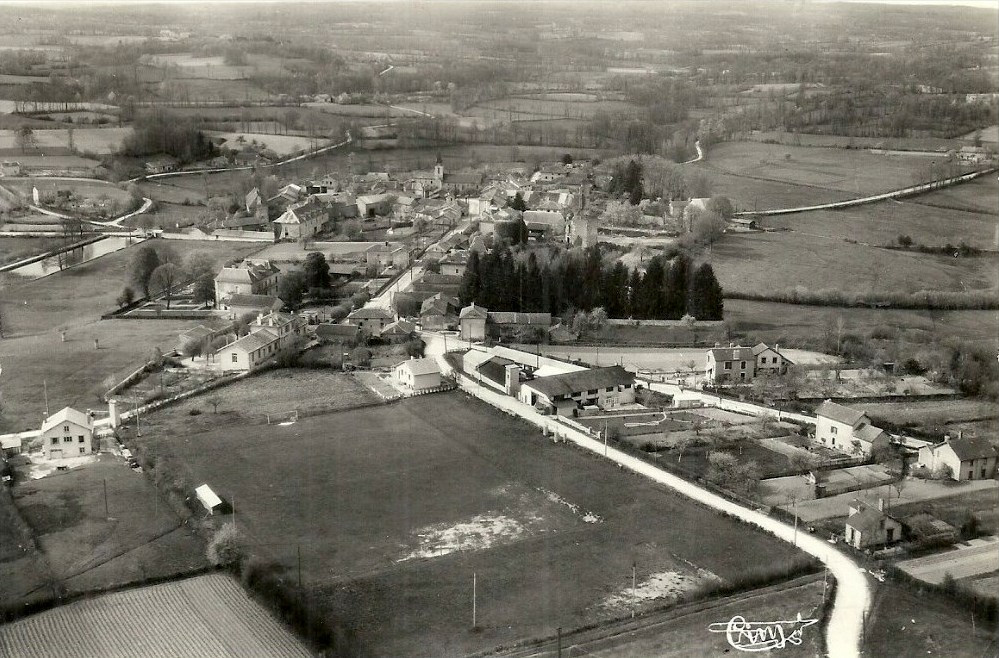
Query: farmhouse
<point x="730" y="364"/>
<point x="67" y="433"/>
<point x="398" y="332"/>
<point x="868" y="526"/>
<point x="162" y="164"/>
<point x="390" y="254"/>
<point x="454" y="264"/>
<point x="246" y="278"/>
<point x="566" y="392"/>
<point x="372" y="205"/>
<point x="972" y="458"/>
<point x="302" y="220"/>
<point x="418" y="374"/>
<point x="847" y="429"/>
<point x="438" y="312"/>
<point x="472" y="321"/>
<point x="268" y="335"/>
<point x="769" y="360"/>
<point x="544" y="222"/>
<point x="337" y="333"/>
<point x="241" y="305"/>
<point x="371" y="318"/>
<point x="973" y="154"/>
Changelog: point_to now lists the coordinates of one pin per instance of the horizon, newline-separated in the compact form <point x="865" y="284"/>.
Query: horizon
<point x="973" y="4"/>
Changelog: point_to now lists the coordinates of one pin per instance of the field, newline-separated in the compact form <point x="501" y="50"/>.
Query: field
<point x="207" y="615"/>
<point x="280" y="144"/>
<point x="93" y="140"/>
<point x="395" y="507"/>
<point x="977" y="196"/>
<point x="72" y="371"/>
<point x="763" y="263"/>
<point x="15" y="249"/>
<point x="165" y="190"/>
<point x="934" y="415"/>
<point x="140" y="537"/>
<point x="980" y="558"/>
<point x="527" y="109"/>
<point x="793" y="324"/>
<point x="372" y="111"/>
<point x="89" y="190"/>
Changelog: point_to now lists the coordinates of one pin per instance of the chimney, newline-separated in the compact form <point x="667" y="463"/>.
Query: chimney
<point x="113" y="412"/>
<point x="946" y="438"/>
<point x="960" y="434"/>
<point x="881" y="504"/>
<point x="260" y="318"/>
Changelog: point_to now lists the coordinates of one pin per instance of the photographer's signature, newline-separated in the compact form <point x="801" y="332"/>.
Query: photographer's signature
<point x="762" y="635"/>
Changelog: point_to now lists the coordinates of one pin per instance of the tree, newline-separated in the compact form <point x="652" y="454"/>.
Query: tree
<point x="904" y="241"/>
<point x="360" y="356"/>
<point x="25" y="138"/>
<point x="164" y="279"/>
<point x="201" y="268"/>
<point x="215" y="399"/>
<point x="567" y="158"/>
<point x="292" y="288"/>
<point x="144" y="263"/>
<point x="705" y="301"/>
<point x="126" y="297"/>
<point x="226" y="547"/>
<point x="518" y="202"/>
<point x="317" y="271"/>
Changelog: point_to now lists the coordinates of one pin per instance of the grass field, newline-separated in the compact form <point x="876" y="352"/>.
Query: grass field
<point x="206" y="615"/>
<point x="88" y="190"/>
<point x="930" y="413"/>
<point x="280" y="144"/>
<point x="94" y="140"/>
<point x="15" y="249"/>
<point x="168" y="215"/>
<point x="519" y="108"/>
<point x="74" y="300"/>
<point x="140" y="536"/>
<point x="165" y="190"/>
<point x="801" y="259"/>
<point x="393" y="509"/>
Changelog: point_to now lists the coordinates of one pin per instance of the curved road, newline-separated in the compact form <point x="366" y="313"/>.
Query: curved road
<point x="853" y="592"/>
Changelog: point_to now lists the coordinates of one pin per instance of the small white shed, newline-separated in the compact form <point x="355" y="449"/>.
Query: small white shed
<point x="208" y="498"/>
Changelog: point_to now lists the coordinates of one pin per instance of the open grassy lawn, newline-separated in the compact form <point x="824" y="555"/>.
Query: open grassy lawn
<point x="765" y="262"/>
<point x="139" y="537"/>
<point x="89" y="190"/>
<point x="166" y="190"/>
<point x="882" y="223"/>
<point x="794" y="324"/>
<point x="930" y="413"/>
<point x="906" y="622"/>
<point x="15" y="249"/>
<point x="74" y="300"/>
<point x="92" y="140"/>
<point x="977" y="196"/>
<point x="394" y="507"/>
<point x="168" y="215"/>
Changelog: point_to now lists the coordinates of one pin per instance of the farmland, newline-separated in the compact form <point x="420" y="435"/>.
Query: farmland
<point x="280" y="144"/>
<point x="401" y="504"/>
<point x="15" y="249"/>
<point x="205" y="615"/>
<point x="92" y="140"/>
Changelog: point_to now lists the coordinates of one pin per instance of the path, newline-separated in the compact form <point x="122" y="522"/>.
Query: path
<point x="896" y="194"/>
<point x="700" y="154"/>
<point x="853" y="592"/>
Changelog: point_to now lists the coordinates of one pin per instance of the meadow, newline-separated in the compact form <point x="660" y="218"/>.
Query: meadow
<point x="280" y="144"/>
<point x="393" y="508"/>
<point x="85" y="140"/>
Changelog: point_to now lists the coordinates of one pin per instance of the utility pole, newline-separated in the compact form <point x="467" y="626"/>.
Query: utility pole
<point x="605" y="438"/>
<point x="107" y="514"/>
<point x="474" y="601"/>
<point x="634" y="587"/>
<point x="299" y="566"/>
<point x="558" y="641"/>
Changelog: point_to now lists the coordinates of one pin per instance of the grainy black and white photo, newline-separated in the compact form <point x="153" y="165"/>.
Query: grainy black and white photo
<point x="499" y="328"/>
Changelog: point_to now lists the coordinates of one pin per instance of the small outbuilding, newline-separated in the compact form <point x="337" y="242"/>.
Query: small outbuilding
<point x="208" y="498"/>
<point x="418" y="374"/>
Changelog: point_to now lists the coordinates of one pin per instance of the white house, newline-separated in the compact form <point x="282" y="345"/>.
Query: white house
<point x="67" y="433"/>
<point x="972" y="458"/>
<point x="846" y="429"/>
<point x="268" y="335"/>
<point x="246" y="278"/>
<point x="371" y="318"/>
<point x="868" y="526"/>
<point x="302" y="220"/>
<point x="769" y="360"/>
<point x="472" y="320"/>
<point x="565" y="392"/>
<point x="730" y="365"/>
<point x="418" y="374"/>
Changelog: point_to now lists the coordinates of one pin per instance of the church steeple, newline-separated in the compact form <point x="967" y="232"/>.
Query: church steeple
<point x="439" y="169"/>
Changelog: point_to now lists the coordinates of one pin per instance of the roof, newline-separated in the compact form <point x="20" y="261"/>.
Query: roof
<point x="583" y="380"/>
<point x="463" y="179"/>
<point x="246" y="273"/>
<point x="197" y="333"/>
<point x="373" y="198"/>
<point x="867" y="520"/>
<point x="337" y="330"/>
<point x="252" y="342"/>
<point x="473" y="312"/>
<point x="760" y="348"/>
<point x="67" y="414"/>
<point x="420" y="366"/>
<point x="868" y="433"/>
<point x="307" y="211"/>
<point x="263" y="302"/>
<point x="731" y="353"/>
<point x="972" y="447"/>
<point x="508" y="317"/>
<point x="371" y="312"/>
<point x="207" y="496"/>
<point x="399" y="327"/>
<point x="495" y="369"/>
<point x="549" y="217"/>
<point x="839" y="413"/>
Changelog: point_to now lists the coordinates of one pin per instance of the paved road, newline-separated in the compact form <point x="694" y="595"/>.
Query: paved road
<point x="853" y="592"/>
<point x="402" y="284"/>
<point x="979" y="558"/>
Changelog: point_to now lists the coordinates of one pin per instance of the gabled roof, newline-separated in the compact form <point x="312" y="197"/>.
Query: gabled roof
<point x="549" y="217"/>
<point x="473" y="312"/>
<point x="760" y="348"/>
<point x="494" y="369"/>
<point x="207" y="497"/>
<point x="199" y="332"/>
<point x="731" y="353"/>
<point x="463" y="179"/>
<point x="868" y="433"/>
<point x="337" y="330"/>
<point x="67" y="414"/>
<point x="373" y="198"/>
<point x="972" y="447"/>
<point x="868" y="520"/>
<point x="262" y="302"/>
<point x="509" y="317"/>
<point x="371" y="313"/>
<point x="839" y="413"/>
<point x="582" y="380"/>
<point x="252" y="342"/>
<point x="252" y="198"/>
<point x="420" y="366"/>
<point x="399" y="327"/>
<point x="307" y="211"/>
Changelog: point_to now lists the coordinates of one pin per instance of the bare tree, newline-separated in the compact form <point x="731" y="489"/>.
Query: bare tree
<point x="164" y="279"/>
<point x="215" y="399"/>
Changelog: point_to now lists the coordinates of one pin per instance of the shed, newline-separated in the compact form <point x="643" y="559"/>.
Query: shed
<point x="208" y="498"/>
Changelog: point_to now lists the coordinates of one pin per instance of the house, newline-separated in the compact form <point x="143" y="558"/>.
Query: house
<point x="439" y="312"/>
<point x="199" y="336"/>
<point x="338" y="333"/>
<point x="530" y="327"/>
<point x="583" y="229"/>
<point x="372" y="205"/>
<point x="418" y="374"/>
<point x="239" y="305"/>
<point x="973" y="154"/>
<point x="10" y="168"/>
<point x="398" y="332"/>
<point x="730" y="365"/>
<point x="246" y="278"/>
<point x="769" y="360"/>
<point x="162" y="164"/>
<point x="971" y="458"/>
<point x="371" y="318"/>
<point x="67" y="433"/>
<point x="847" y="429"/>
<point x="550" y="222"/>
<point x="438" y="283"/>
<point x="454" y="264"/>
<point x="302" y="220"/>
<point x="244" y="158"/>
<point x="290" y="193"/>
<point x="566" y="392"/>
<point x="472" y="321"/>
<point x="268" y="335"/>
<point x="868" y="526"/>
<point x="389" y="254"/>
<point x="208" y="498"/>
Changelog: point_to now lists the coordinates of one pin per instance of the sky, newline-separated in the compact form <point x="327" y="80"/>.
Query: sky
<point x="981" y="4"/>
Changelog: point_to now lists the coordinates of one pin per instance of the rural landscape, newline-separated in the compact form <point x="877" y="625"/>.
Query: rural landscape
<point x="500" y="329"/>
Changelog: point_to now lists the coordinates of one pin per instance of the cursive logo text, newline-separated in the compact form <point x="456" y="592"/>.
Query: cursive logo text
<point x="762" y="635"/>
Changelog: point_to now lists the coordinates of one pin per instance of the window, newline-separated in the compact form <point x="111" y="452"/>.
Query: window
<point x="833" y="430"/>
<point x="83" y="450"/>
<point x="610" y="388"/>
<point x="742" y="365"/>
<point x="67" y="439"/>
<point x="235" y="358"/>
<point x="79" y="439"/>
<point x="65" y="428"/>
<point x="728" y="365"/>
<point x="891" y="534"/>
<point x="593" y="391"/>
<point x="983" y="472"/>
<point x="55" y="440"/>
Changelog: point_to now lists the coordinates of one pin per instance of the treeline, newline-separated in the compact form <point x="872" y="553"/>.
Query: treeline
<point x="162" y="132"/>
<point x="925" y="300"/>
<point x="580" y="280"/>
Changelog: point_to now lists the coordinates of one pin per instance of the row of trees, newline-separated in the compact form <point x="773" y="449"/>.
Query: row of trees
<point x="580" y="280"/>
<point x="160" y="271"/>
<point x="163" y="132"/>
